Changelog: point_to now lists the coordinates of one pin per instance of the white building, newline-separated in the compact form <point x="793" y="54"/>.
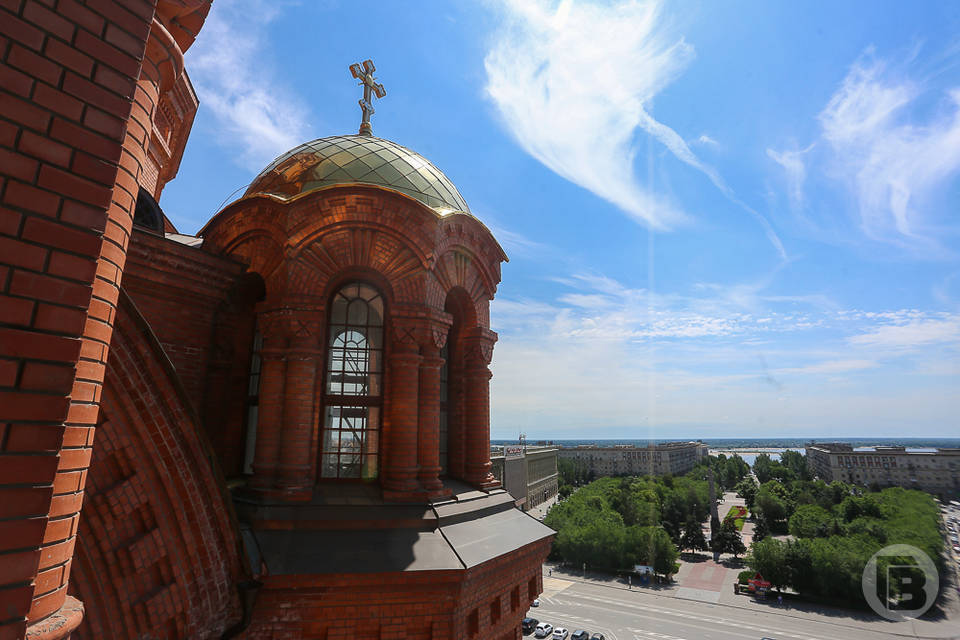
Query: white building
<point x="933" y="470"/>
<point x="676" y="458"/>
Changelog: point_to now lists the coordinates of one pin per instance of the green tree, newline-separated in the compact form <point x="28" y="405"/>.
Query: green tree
<point x="771" y="503"/>
<point x="769" y="558"/>
<point x="811" y="521"/>
<point x="665" y="552"/>
<point x="728" y="540"/>
<point x="762" y="528"/>
<point x="747" y="489"/>
<point x="797" y="463"/>
<point x="693" y="538"/>
<point x="763" y="468"/>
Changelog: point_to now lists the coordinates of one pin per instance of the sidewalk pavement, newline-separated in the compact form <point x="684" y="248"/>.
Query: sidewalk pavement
<point x="540" y="511"/>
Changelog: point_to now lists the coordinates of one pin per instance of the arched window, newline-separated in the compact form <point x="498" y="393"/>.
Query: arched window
<point x="353" y="395"/>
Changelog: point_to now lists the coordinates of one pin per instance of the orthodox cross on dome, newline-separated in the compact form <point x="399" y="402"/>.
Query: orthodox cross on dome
<point x="364" y="73"/>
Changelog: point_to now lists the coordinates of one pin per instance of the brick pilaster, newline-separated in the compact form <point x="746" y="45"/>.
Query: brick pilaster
<point x="433" y="337"/>
<point x="399" y="479"/>
<point x="478" y="351"/>
<point x="298" y="443"/>
<point x="272" y="388"/>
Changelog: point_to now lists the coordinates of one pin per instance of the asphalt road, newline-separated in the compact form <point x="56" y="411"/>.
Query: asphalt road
<point x="633" y="615"/>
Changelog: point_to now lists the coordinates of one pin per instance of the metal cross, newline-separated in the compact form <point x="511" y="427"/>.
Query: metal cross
<point x="364" y="73"/>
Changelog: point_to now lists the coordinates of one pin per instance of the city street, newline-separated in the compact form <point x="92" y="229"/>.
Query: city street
<point x="637" y="614"/>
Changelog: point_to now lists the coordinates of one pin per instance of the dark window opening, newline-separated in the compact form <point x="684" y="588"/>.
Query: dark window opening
<point x="473" y="623"/>
<point x="253" y="402"/>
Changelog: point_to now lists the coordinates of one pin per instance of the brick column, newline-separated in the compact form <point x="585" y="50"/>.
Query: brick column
<point x="298" y="442"/>
<point x="270" y="416"/>
<point x="478" y="351"/>
<point x="428" y="439"/>
<point x="399" y="479"/>
<point x="79" y="90"/>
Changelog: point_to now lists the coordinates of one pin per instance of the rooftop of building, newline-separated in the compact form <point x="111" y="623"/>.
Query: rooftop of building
<point x="661" y="446"/>
<point x="840" y="447"/>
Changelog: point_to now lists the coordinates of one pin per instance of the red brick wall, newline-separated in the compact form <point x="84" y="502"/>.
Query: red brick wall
<point x="181" y="290"/>
<point x="69" y="88"/>
<point x="494" y="581"/>
<point x="158" y="552"/>
<point x="429" y="605"/>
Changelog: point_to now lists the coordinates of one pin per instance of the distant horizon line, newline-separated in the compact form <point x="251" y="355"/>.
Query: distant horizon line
<point x="689" y="439"/>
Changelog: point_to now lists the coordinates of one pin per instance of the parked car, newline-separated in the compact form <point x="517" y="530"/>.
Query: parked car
<point x="560" y="634"/>
<point x="528" y="625"/>
<point x="597" y="636"/>
<point x="535" y="603"/>
<point x="543" y="630"/>
<point x="580" y="634"/>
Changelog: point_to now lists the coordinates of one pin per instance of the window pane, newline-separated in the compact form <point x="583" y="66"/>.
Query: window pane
<point x="354" y="384"/>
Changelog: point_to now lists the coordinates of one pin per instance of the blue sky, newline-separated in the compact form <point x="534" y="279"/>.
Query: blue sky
<point x="723" y="219"/>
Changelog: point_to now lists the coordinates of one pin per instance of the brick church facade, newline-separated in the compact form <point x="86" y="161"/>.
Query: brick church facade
<point x="278" y="428"/>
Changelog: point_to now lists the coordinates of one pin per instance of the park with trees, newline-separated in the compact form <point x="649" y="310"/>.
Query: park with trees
<point x="829" y="531"/>
<point x="615" y="523"/>
<point x="809" y="536"/>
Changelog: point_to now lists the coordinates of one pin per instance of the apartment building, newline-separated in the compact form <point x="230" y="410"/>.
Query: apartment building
<point x="528" y="473"/>
<point x="660" y="459"/>
<point x="936" y="471"/>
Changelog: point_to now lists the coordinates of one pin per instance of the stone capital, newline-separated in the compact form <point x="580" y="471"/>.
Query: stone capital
<point x="478" y="347"/>
<point x="298" y="327"/>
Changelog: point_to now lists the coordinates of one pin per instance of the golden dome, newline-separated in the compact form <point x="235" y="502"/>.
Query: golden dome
<point x="358" y="159"/>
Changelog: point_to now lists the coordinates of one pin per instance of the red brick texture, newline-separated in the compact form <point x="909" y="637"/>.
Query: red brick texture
<point x="80" y="85"/>
<point x="427" y="605"/>
<point x="303" y="250"/>
<point x="158" y="551"/>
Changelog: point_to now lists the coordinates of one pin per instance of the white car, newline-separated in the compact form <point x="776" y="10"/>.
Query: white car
<point x="543" y="630"/>
<point x="559" y="634"/>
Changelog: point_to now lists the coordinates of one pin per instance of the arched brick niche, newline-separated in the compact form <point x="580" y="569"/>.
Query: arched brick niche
<point x="303" y="249"/>
<point x="158" y="550"/>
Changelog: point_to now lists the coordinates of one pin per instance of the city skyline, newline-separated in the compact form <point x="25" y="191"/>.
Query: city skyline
<point x="720" y="222"/>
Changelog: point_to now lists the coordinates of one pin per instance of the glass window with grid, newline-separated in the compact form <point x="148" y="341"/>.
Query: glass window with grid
<point x="354" y="384"/>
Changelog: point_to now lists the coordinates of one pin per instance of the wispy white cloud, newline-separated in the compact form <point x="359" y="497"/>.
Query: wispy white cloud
<point x="796" y="173"/>
<point x="918" y="332"/>
<point x="571" y="83"/>
<point x="602" y="354"/>
<point x="574" y="83"/>
<point x="256" y="117"/>
<point x="893" y="162"/>
<point x="830" y="367"/>
<point x="706" y="140"/>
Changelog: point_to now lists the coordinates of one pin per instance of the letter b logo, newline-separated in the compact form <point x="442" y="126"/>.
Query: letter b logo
<point x="911" y="582"/>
